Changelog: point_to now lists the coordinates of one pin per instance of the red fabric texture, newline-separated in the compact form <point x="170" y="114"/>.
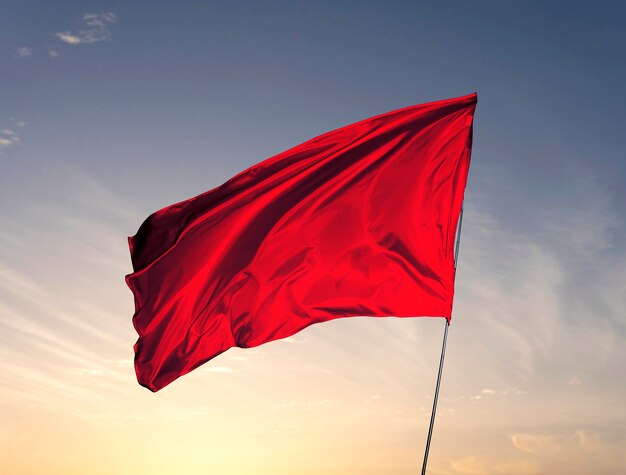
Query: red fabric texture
<point x="360" y="221"/>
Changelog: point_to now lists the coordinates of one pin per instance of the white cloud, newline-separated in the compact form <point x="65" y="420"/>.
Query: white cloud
<point x="96" y="29"/>
<point x="67" y="37"/>
<point x="8" y="138"/>
<point x="95" y="19"/>
<point x="23" y="52"/>
<point x="53" y="54"/>
<point x="9" y="133"/>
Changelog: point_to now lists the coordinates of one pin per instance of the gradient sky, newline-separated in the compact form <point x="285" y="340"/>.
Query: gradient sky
<point x="112" y="110"/>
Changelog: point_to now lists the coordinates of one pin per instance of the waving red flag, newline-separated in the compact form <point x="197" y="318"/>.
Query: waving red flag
<point x="358" y="221"/>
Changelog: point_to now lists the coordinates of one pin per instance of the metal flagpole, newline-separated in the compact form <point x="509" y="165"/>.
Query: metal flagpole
<point x="443" y="354"/>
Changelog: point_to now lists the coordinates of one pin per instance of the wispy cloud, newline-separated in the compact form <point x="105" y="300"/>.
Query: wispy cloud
<point x="99" y="19"/>
<point x="10" y="133"/>
<point x="18" y="123"/>
<point x="538" y="443"/>
<point x="219" y="369"/>
<point x="475" y="465"/>
<point x="23" y="52"/>
<point x="95" y="29"/>
<point x="8" y="138"/>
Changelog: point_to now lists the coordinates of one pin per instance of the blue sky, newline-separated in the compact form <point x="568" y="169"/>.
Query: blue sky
<point x="111" y="110"/>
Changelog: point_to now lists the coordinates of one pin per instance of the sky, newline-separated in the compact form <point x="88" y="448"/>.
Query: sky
<point x="112" y="110"/>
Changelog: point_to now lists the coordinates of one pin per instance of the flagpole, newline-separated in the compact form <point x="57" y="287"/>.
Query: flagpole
<point x="443" y="354"/>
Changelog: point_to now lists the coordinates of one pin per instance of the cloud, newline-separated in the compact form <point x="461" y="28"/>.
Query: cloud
<point x="23" y="52"/>
<point x="534" y="297"/>
<point x="53" y="54"/>
<point x="580" y="451"/>
<point x="8" y="138"/>
<point x="482" y="466"/>
<point x="9" y="133"/>
<point x="18" y="123"/>
<point x="95" y="29"/>
<point x="542" y="443"/>
<point x="219" y="369"/>
<point x="67" y="37"/>
<point x="99" y="20"/>
<point x="57" y="347"/>
<point x="299" y="405"/>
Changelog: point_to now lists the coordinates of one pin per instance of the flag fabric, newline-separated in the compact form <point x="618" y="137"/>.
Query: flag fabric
<point x="360" y="221"/>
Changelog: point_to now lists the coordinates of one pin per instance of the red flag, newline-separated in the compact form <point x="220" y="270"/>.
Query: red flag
<point x="358" y="221"/>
